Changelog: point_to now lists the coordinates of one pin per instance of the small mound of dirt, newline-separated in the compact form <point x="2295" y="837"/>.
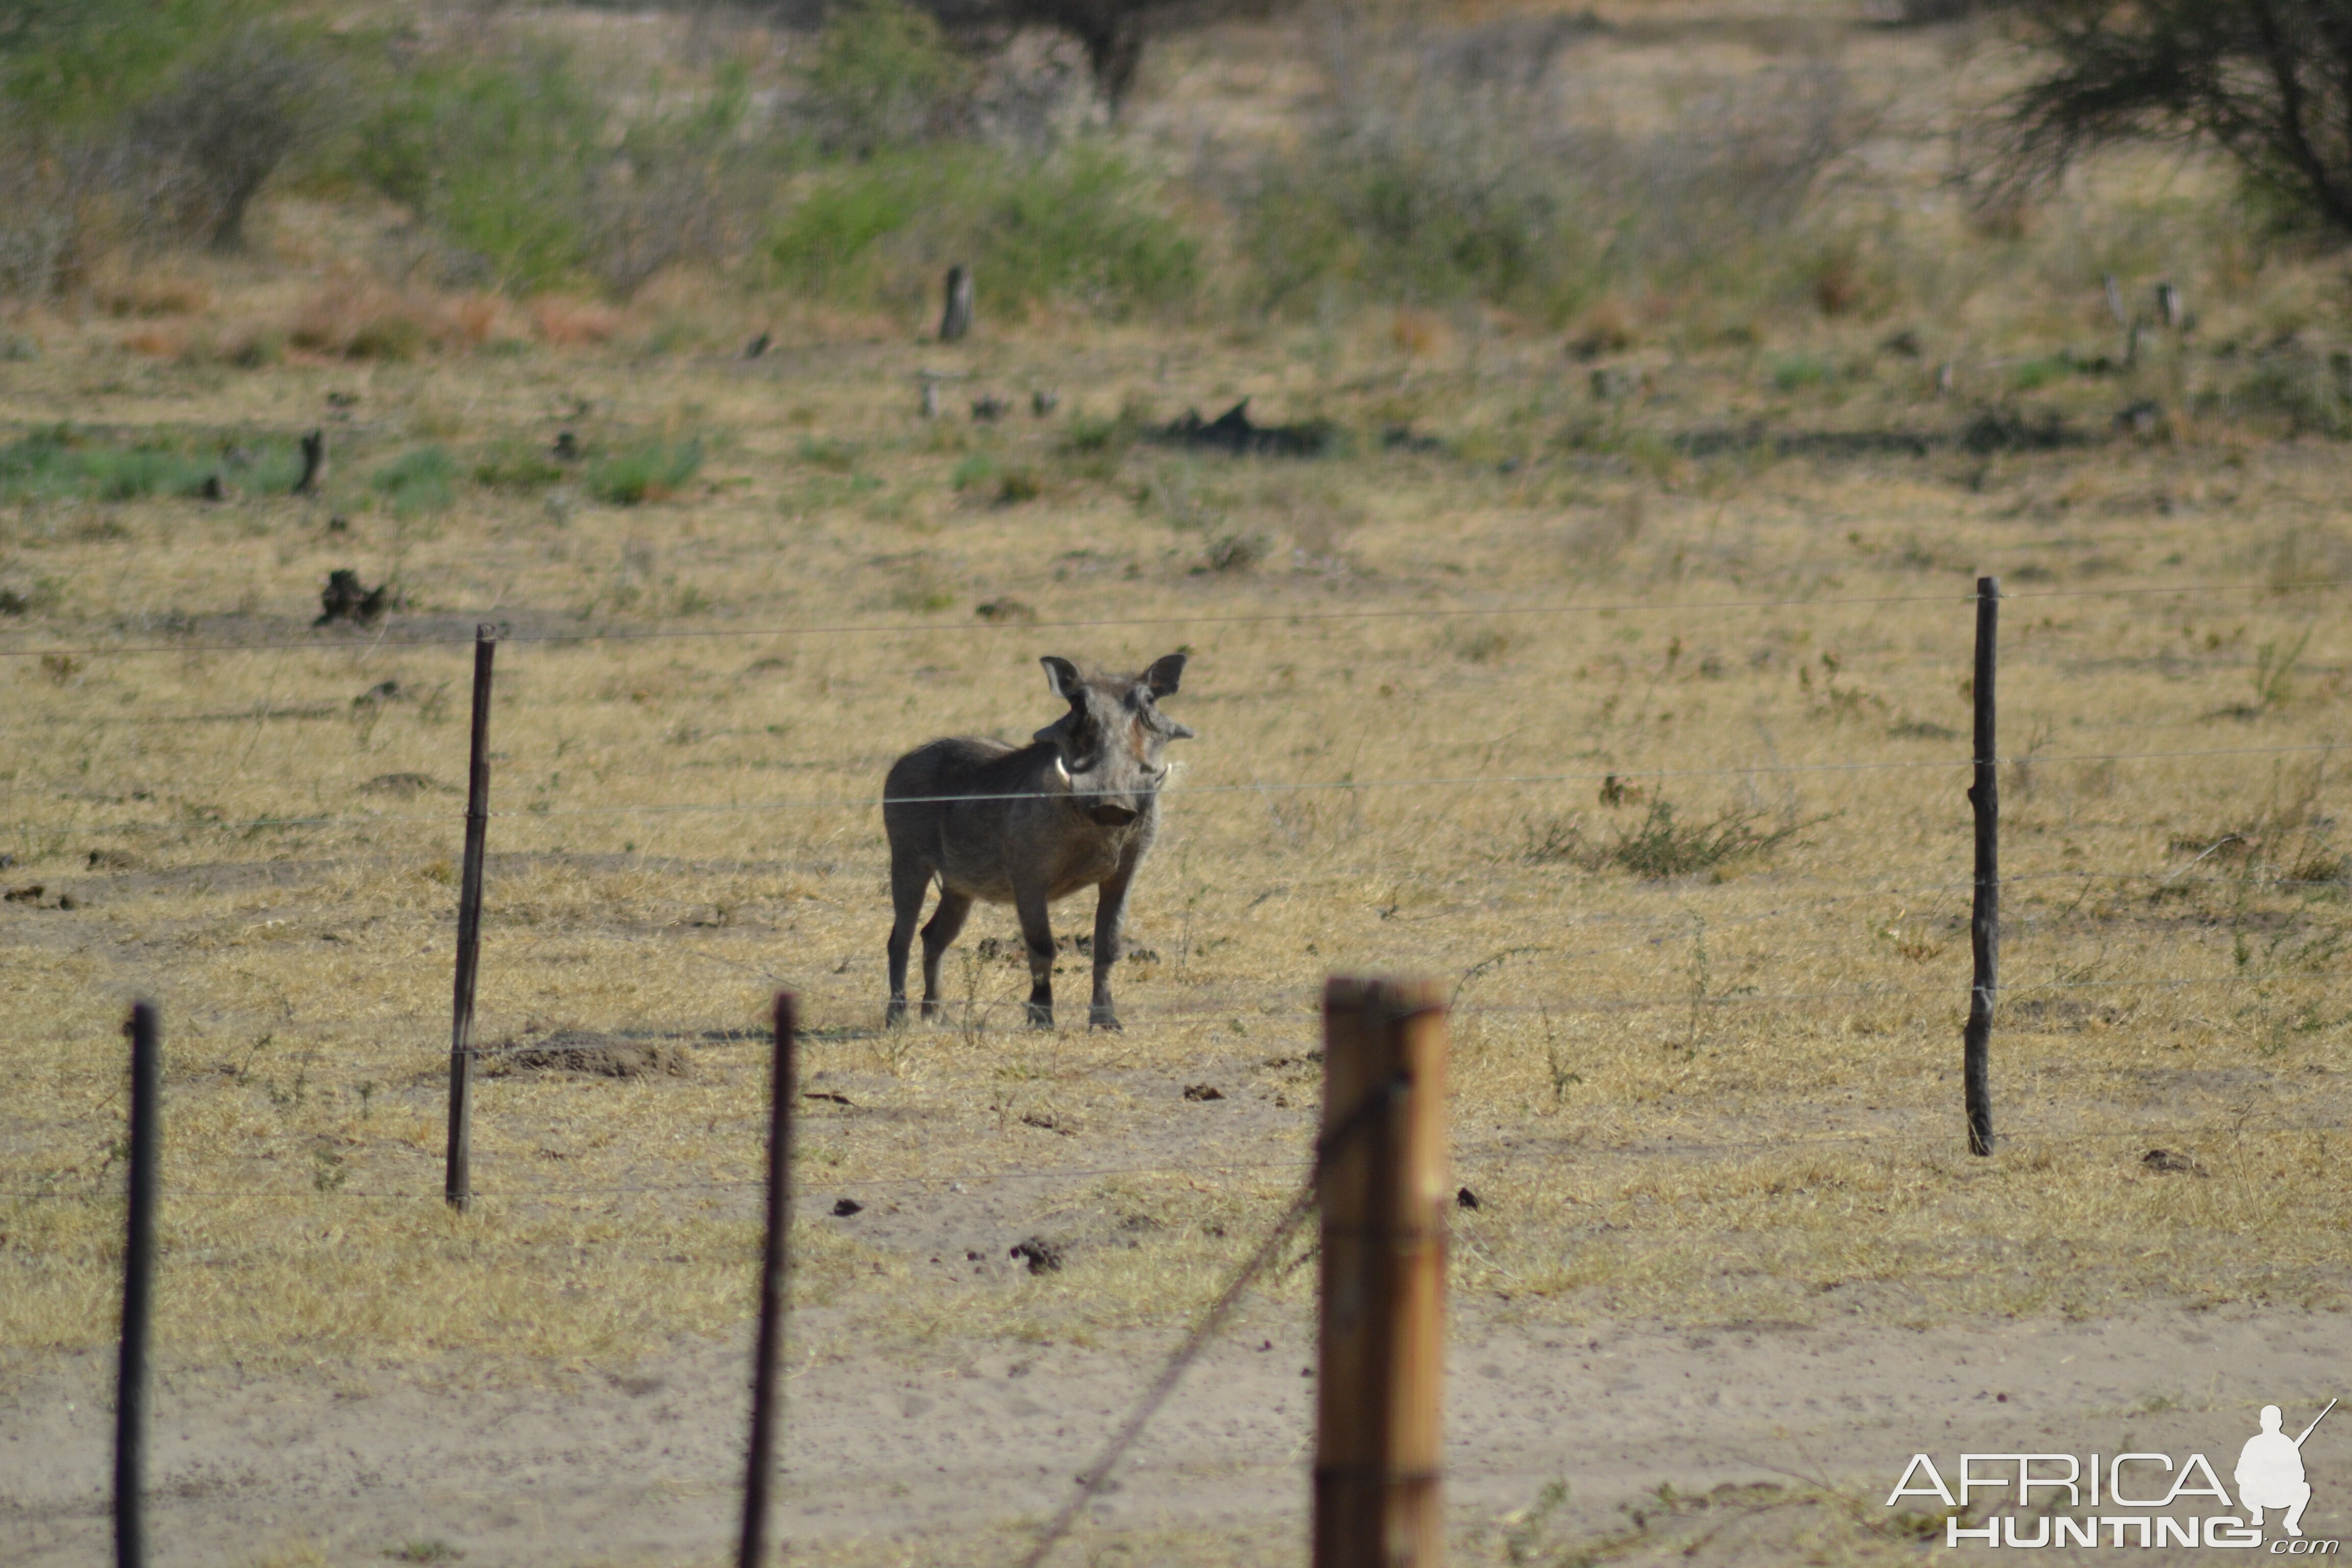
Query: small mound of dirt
<point x="588" y="1056"/>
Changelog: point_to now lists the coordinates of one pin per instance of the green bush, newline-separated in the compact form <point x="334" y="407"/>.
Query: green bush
<point x="495" y="156"/>
<point x="526" y="166"/>
<point x="419" y="481"/>
<point x="1792" y="371"/>
<point x="653" y="471"/>
<point x="884" y="77"/>
<point x="1079" y="226"/>
<point x="63" y="464"/>
<point x="77" y="63"/>
<point x="517" y="466"/>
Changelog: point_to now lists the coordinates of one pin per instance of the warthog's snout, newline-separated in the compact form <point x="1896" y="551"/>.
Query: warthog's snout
<point x="1103" y="814"/>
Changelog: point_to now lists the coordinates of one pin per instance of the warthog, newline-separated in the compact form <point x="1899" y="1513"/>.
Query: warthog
<point x="1075" y="808"/>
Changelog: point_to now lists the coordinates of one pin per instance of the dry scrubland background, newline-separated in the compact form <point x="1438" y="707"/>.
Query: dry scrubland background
<point x="1708" y="1034"/>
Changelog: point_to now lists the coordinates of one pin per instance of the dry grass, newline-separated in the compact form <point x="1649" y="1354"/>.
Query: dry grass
<point x="1764" y="1051"/>
<point x="1701" y="1098"/>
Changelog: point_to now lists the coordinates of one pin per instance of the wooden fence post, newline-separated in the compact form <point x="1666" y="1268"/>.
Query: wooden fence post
<point x="955" y="320"/>
<point x="1379" y="1477"/>
<point x="138" y="1291"/>
<point x="783" y="1087"/>
<point x="1984" y="920"/>
<point x="458" y="1187"/>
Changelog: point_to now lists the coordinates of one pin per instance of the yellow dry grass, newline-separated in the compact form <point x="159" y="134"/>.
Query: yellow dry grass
<point x="1719" y="1096"/>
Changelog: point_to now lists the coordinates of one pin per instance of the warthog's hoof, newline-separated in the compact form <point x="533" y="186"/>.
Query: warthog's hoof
<point x="894" y="1017"/>
<point x="1041" y="1016"/>
<point x="1103" y="1018"/>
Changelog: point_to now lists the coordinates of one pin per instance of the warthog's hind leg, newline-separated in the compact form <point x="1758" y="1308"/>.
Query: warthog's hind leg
<point x="910" y="880"/>
<point x="947" y="924"/>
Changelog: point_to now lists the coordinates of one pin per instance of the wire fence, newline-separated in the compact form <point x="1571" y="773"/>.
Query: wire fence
<point x="1910" y="1129"/>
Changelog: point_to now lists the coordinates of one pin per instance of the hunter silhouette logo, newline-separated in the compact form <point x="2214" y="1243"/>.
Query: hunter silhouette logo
<point x="2134" y="1500"/>
<point x="2270" y="1471"/>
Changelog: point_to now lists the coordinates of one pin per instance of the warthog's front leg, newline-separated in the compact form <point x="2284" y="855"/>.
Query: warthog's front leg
<point x="1037" y="934"/>
<point x="1111" y="918"/>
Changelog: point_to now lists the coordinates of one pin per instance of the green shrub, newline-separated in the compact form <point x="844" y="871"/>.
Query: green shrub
<point x="63" y="464"/>
<point x="1078" y="225"/>
<point x="524" y="165"/>
<point x="884" y="76"/>
<point x="517" y="466"/>
<point x="2036" y="374"/>
<point x="495" y="156"/>
<point x="1790" y="372"/>
<point x="419" y="481"/>
<point x="77" y="63"/>
<point x="651" y="471"/>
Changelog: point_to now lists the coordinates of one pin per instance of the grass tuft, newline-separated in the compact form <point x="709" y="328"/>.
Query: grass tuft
<point x="1658" y="846"/>
<point x="653" y="470"/>
<point x="420" y="481"/>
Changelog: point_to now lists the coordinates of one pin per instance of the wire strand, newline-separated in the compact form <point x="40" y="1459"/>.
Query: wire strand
<point x="1178" y="617"/>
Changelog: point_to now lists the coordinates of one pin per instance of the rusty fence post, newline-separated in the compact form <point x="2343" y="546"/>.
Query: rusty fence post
<point x="1984" y="917"/>
<point x="459" y="1181"/>
<point x="1379" y="1479"/>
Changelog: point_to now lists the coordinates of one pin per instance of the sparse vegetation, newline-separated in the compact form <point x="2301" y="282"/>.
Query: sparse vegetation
<point x="424" y="480"/>
<point x="1659" y="845"/>
<point x="1699" y="479"/>
<point x="650" y="471"/>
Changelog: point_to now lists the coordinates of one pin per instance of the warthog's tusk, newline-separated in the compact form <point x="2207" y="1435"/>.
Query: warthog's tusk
<point x="1061" y="770"/>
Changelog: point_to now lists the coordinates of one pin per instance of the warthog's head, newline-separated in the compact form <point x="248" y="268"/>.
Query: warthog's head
<point x="1109" y="744"/>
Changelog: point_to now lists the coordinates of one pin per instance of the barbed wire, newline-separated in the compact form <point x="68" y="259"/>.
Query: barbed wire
<point x="1175" y="617"/>
<point x="1260" y="787"/>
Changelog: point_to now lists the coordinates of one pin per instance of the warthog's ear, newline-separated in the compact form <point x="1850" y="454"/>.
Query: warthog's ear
<point x="1064" y="678"/>
<point x="1163" y="675"/>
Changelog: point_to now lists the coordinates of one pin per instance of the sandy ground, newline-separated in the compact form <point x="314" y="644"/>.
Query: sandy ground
<point x="951" y="1458"/>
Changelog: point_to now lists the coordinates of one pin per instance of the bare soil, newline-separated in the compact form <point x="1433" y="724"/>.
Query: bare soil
<point x="1774" y="1429"/>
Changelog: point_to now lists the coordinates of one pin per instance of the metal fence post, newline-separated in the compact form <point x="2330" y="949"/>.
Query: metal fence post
<point x="458" y="1187"/>
<point x="1984" y="917"/>
<point x="138" y="1290"/>
<point x="775" y="1302"/>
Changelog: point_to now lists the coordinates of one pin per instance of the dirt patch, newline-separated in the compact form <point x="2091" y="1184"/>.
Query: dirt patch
<point x="588" y="1056"/>
<point x="1740" y="1442"/>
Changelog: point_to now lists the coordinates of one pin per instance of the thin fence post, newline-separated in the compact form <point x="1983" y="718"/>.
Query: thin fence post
<point x="459" y="1184"/>
<point x="1378" y="1477"/>
<point x="775" y="1262"/>
<point x="138" y="1290"/>
<point x="1984" y="919"/>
